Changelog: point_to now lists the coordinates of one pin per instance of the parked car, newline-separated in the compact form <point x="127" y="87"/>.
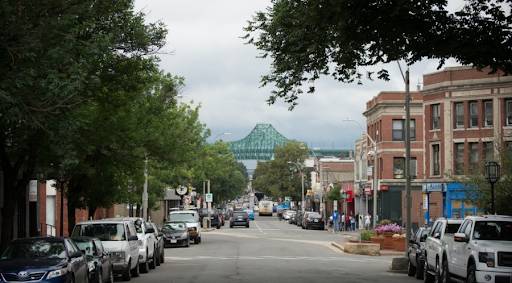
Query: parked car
<point x="192" y="219"/>
<point x="415" y="252"/>
<point x="176" y="234"/>
<point x="160" y="251"/>
<point x="214" y="217"/>
<point x="298" y="218"/>
<point x="293" y="218"/>
<point x="313" y="220"/>
<point x="288" y="214"/>
<point x="147" y="242"/>
<point x="43" y="259"/>
<point x="101" y="269"/>
<point x="119" y="237"/>
<point x="239" y="218"/>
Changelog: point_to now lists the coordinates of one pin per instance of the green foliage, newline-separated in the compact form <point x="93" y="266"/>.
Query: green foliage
<point x="281" y="177"/>
<point x="334" y="194"/>
<point x="366" y="235"/>
<point x="342" y="38"/>
<point x="478" y="190"/>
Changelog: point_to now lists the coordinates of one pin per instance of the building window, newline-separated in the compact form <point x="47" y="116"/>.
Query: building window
<point x="488" y="151"/>
<point x="436" y="163"/>
<point x="509" y="112"/>
<point x="473" y="156"/>
<point x="459" y="159"/>
<point x="399" y="130"/>
<point x="473" y="114"/>
<point x="459" y="115"/>
<point x="487" y="113"/>
<point x="399" y="167"/>
<point x="436" y="116"/>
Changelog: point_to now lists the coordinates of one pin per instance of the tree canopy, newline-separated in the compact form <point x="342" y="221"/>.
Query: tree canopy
<point x="308" y="39"/>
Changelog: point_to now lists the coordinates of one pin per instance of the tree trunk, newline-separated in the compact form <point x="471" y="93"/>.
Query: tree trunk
<point x="71" y="217"/>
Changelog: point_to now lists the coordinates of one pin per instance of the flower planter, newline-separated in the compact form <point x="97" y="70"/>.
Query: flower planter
<point x="399" y="243"/>
<point x="388" y="241"/>
<point x="377" y="240"/>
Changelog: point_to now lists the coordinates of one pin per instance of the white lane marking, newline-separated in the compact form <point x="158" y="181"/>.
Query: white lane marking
<point x="280" y="258"/>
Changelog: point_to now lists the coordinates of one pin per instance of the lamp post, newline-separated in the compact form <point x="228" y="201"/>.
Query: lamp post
<point x="220" y="135"/>
<point x="62" y="179"/>
<point x="302" y="180"/>
<point x="492" y="175"/>
<point x="375" y="166"/>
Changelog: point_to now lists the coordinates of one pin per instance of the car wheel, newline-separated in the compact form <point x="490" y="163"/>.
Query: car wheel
<point x="162" y="256"/>
<point x="127" y="275"/>
<point x="188" y="243"/>
<point x="152" y="263"/>
<point x="427" y="277"/>
<point x="471" y="274"/>
<point x="445" y="274"/>
<point x="136" y="271"/>
<point x="411" y="269"/>
<point x="218" y="226"/>
<point x="156" y="257"/>
<point x="247" y="226"/>
<point x="196" y="240"/>
<point x="419" y="269"/>
<point x="144" y="267"/>
<point x="437" y="277"/>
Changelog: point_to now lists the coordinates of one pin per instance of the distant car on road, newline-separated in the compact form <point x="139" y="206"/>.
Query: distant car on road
<point x="43" y="259"/>
<point x="288" y="213"/>
<point x="239" y="218"/>
<point x="313" y="220"/>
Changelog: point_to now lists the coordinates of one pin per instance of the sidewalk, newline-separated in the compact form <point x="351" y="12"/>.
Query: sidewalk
<point x="346" y="236"/>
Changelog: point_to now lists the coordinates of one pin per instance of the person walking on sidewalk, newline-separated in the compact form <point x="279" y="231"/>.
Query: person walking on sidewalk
<point x="335" y="217"/>
<point x="343" y="228"/>
<point x="367" y="221"/>
<point x="352" y="222"/>
<point x="347" y="223"/>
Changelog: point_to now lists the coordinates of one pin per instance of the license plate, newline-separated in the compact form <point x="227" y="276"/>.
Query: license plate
<point x="316" y="220"/>
<point x="240" y="218"/>
<point x="212" y="217"/>
<point x="174" y="241"/>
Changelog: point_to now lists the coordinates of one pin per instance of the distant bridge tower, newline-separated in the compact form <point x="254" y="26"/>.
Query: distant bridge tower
<point x="259" y="144"/>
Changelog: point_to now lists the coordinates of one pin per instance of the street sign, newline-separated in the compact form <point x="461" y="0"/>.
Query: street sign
<point x="188" y="199"/>
<point x="209" y="198"/>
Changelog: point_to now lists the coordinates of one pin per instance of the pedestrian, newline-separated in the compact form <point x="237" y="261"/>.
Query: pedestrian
<point x="343" y="228"/>
<point x="335" y="217"/>
<point x="352" y="222"/>
<point x="367" y="221"/>
<point x="331" y="223"/>
<point x="347" y="223"/>
<point x="280" y="214"/>
<point x="357" y="220"/>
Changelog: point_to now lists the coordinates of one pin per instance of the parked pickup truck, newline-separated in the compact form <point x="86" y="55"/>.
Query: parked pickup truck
<point x="480" y="251"/>
<point x="435" y="245"/>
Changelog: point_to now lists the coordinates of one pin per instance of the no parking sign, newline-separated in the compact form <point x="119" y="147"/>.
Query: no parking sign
<point x="209" y="197"/>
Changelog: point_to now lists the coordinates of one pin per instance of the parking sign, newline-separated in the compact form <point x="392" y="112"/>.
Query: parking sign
<point x="209" y="197"/>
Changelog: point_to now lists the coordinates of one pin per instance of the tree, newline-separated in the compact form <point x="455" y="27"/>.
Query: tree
<point x="341" y="38"/>
<point x="478" y="190"/>
<point x="57" y="56"/>
<point x="281" y="177"/>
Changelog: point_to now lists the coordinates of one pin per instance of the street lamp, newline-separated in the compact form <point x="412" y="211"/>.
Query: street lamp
<point x="62" y="179"/>
<point x="220" y="135"/>
<point x="492" y="175"/>
<point x="375" y="181"/>
<point x="302" y="179"/>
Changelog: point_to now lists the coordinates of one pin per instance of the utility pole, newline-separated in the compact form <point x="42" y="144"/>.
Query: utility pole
<point x="408" y="158"/>
<point x="145" y="193"/>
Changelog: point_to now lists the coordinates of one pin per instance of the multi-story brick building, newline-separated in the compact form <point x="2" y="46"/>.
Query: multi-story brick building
<point x="459" y="120"/>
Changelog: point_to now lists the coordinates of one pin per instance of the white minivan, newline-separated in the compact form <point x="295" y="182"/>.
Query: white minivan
<point x="119" y="237"/>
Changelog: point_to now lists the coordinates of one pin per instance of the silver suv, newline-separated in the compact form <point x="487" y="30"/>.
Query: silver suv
<point x="147" y="242"/>
<point x="119" y="237"/>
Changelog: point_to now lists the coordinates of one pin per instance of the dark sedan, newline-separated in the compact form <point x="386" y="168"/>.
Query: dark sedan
<point x="159" y="251"/>
<point x="176" y="234"/>
<point x="415" y="252"/>
<point x="101" y="269"/>
<point x="43" y="259"/>
<point x="239" y="218"/>
<point x="313" y="220"/>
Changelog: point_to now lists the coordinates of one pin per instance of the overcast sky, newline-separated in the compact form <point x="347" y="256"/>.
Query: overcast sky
<point x="223" y="75"/>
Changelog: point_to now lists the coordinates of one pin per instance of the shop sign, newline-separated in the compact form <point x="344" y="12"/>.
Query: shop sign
<point x="433" y="187"/>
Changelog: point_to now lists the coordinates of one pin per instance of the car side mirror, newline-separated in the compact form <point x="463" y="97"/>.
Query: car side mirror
<point x="106" y="254"/>
<point x="150" y="230"/>
<point x="76" y="254"/>
<point x="133" y="238"/>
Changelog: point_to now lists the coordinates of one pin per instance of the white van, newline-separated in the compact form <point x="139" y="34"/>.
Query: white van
<point x="191" y="218"/>
<point x="119" y="237"/>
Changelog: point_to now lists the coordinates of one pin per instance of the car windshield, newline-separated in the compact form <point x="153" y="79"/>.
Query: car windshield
<point x="103" y="231"/>
<point x="452" y="228"/>
<point x="185" y="217"/>
<point x="35" y="249"/>
<point x="314" y="215"/>
<point x="493" y="230"/>
<point x="87" y="247"/>
<point x="174" y="226"/>
<point x="236" y="214"/>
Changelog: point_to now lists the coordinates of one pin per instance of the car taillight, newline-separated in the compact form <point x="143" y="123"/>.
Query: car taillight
<point x="308" y="219"/>
<point x="232" y="218"/>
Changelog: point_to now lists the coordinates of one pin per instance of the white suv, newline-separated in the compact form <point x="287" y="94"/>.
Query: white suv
<point x="191" y="218"/>
<point x="147" y="242"/>
<point x="119" y="237"/>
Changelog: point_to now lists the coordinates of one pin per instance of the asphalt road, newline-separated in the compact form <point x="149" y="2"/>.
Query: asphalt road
<point x="269" y="251"/>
